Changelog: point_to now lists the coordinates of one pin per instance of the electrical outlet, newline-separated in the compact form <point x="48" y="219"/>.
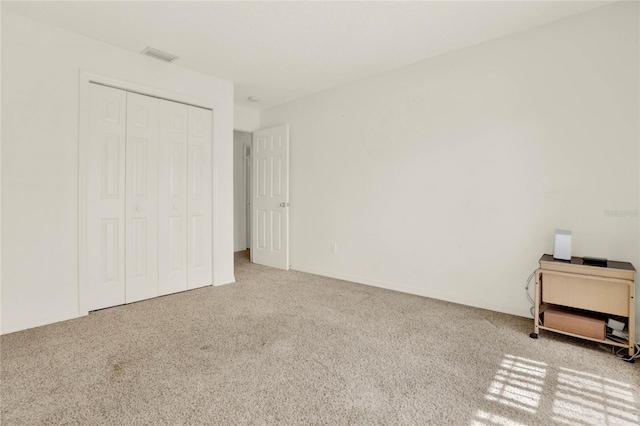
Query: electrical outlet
<point x="334" y="248"/>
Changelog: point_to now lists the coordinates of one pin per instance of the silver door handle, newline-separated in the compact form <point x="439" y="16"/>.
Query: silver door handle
<point x="284" y="204"/>
<point x="139" y="208"/>
<point x="175" y="207"/>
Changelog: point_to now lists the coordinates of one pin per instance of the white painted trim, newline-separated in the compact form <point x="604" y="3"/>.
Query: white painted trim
<point x="417" y="291"/>
<point x="225" y="282"/>
<point x="214" y="213"/>
<point x="19" y="326"/>
<point x="240" y="129"/>
<point x="146" y="90"/>
<point x="83" y="138"/>
<point x="0" y="197"/>
<point x="87" y="77"/>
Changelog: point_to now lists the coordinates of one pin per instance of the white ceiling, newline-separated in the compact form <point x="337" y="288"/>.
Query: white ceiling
<point x="280" y="51"/>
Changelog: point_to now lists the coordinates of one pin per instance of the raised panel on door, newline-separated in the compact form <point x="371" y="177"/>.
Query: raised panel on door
<point x="270" y="199"/>
<point x="199" y="232"/>
<point x="105" y="210"/>
<point x="172" y="197"/>
<point x="141" y="198"/>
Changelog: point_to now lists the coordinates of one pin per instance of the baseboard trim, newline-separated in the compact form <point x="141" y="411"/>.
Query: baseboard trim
<point x="418" y="292"/>
<point x="24" y="325"/>
<point x="225" y="282"/>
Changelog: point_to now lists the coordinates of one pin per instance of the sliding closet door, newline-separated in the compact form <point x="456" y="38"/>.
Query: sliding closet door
<point x="149" y="194"/>
<point x="172" y="202"/>
<point x="142" y="198"/>
<point x="105" y="223"/>
<point x="199" y="252"/>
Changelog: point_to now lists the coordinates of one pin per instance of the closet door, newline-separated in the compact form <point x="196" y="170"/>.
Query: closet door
<point x="199" y="251"/>
<point x="141" y="198"/>
<point x="172" y="201"/>
<point x="105" y="182"/>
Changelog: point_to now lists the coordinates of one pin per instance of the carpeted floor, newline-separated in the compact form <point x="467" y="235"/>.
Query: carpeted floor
<point x="293" y="348"/>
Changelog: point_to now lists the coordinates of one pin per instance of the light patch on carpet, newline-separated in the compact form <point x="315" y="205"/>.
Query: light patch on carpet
<point x="485" y="419"/>
<point x="588" y="399"/>
<point x="518" y="383"/>
<point x="580" y="398"/>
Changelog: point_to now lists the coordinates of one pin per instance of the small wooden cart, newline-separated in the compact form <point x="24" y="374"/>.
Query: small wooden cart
<point x="586" y="291"/>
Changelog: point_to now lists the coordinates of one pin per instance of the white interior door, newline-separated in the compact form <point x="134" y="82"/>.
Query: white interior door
<point x="106" y="197"/>
<point x="172" y="201"/>
<point x="270" y="197"/>
<point x="142" y="198"/>
<point x="199" y="243"/>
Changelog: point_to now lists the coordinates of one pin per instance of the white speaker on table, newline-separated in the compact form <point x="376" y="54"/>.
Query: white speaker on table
<point x="562" y="245"/>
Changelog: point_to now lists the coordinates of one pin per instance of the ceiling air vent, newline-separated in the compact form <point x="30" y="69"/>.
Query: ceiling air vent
<point x="159" y="54"/>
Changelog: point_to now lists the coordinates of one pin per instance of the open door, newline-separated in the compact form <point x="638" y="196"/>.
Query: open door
<point x="270" y="197"/>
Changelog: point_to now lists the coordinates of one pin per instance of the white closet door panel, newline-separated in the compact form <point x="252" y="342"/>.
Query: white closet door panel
<point x="141" y="198"/>
<point x="199" y="233"/>
<point x="172" y="201"/>
<point x="106" y="197"/>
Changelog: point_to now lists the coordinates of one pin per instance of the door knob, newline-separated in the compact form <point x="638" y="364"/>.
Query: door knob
<point x="283" y="204"/>
<point x="139" y="208"/>
<point x="175" y="207"/>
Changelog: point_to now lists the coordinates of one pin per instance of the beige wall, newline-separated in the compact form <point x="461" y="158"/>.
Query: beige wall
<point x="447" y="178"/>
<point x="40" y="81"/>
<point x="246" y="119"/>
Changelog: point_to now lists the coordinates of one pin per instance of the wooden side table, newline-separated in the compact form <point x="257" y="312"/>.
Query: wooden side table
<point x="584" y="293"/>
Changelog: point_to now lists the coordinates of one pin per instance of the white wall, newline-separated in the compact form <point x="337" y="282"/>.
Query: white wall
<point x="40" y="79"/>
<point x="240" y="141"/>
<point x="447" y="178"/>
<point x="246" y="119"/>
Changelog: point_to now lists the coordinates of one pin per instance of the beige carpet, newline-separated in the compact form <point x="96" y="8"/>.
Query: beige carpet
<point x="292" y="348"/>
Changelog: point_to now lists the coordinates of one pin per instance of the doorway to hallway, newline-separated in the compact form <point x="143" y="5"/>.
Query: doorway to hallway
<point x="241" y="190"/>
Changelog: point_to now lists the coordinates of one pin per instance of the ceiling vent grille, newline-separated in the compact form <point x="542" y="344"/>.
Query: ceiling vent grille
<point x="159" y="54"/>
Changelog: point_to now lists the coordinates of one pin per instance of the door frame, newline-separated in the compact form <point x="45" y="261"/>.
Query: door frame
<point x="86" y="78"/>
<point x="247" y="191"/>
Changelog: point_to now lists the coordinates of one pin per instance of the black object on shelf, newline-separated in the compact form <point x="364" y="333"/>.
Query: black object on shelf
<point x="594" y="261"/>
